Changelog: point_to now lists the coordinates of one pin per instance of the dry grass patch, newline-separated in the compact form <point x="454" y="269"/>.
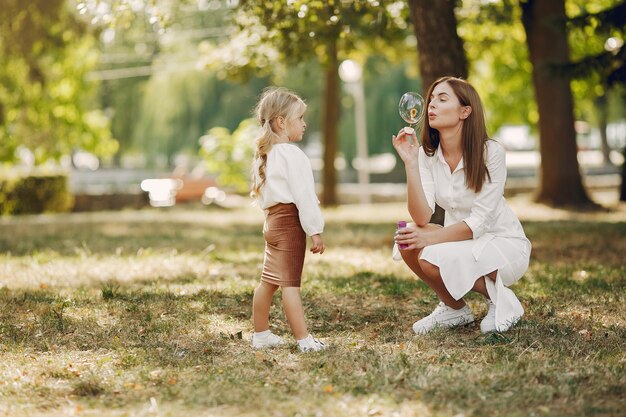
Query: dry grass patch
<point x="148" y="314"/>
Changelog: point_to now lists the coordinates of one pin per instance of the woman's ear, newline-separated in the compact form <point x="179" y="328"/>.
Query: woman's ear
<point x="465" y="112"/>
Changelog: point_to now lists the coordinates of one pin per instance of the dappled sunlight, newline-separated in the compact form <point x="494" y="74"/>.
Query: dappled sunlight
<point x="157" y="320"/>
<point x="346" y="261"/>
<point x="56" y="371"/>
<point x="168" y="269"/>
<point x="527" y="210"/>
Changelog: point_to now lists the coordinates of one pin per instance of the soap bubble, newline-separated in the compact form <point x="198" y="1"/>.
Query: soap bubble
<point x="411" y="107"/>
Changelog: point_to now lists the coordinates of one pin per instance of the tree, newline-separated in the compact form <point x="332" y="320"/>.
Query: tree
<point x="598" y="58"/>
<point x="45" y="53"/>
<point x="560" y="181"/>
<point x="228" y="155"/>
<point x="160" y="103"/>
<point x="294" y="31"/>
<point x="434" y="25"/>
<point x="500" y="69"/>
<point x="440" y="49"/>
<point x="493" y="33"/>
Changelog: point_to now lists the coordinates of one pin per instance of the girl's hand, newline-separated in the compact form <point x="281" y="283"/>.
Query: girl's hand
<point x="407" y="151"/>
<point x="317" y="245"/>
<point x="413" y="237"/>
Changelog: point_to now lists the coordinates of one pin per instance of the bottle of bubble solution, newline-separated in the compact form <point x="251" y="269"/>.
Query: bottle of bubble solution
<point x="402" y="225"/>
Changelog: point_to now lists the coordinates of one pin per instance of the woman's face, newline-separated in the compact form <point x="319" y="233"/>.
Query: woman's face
<point x="444" y="108"/>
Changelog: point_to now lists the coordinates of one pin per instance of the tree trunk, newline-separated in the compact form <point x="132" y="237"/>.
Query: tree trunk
<point x="602" y="107"/>
<point x="622" y="191"/>
<point x="330" y="123"/>
<point x="440" y="49"/>
<point x="560" y="182"/>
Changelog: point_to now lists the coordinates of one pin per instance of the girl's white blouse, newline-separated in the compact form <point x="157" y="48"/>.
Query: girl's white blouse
<point x="289" y="179"/>
<point x="486" y="213"/>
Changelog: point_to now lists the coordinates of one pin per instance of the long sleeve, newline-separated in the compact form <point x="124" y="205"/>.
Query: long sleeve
<point x="290" y="180"/>
<point x="302" y="186"/>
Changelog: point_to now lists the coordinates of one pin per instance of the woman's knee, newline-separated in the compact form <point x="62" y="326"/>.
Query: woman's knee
<point x="428" y="268"/>
<point x="429" y="227"/>
<point x="409" y="256"/>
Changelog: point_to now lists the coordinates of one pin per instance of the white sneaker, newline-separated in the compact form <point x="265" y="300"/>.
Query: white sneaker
<point x="444" y="316"/>
<point x="269" y="341"/>
<point x="488" y="324"/>
<point x="310" y="344"/>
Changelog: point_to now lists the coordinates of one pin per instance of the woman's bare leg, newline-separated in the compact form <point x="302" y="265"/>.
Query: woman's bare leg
<point x="481" y="287"/>
<point x="434" y="281"/>
<point x="429" y="273"/>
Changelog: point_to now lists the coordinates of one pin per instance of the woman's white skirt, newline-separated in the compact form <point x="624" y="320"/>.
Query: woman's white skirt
<point x="462" y="263"/>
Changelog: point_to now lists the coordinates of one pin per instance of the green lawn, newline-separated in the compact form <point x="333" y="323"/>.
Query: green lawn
<point x="147" y="313"/>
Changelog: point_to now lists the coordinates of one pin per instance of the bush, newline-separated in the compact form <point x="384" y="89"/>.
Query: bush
<point x="34" y="194"/>
<point x="229" y="155"/>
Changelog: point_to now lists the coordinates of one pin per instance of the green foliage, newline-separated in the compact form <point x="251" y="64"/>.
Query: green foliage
<point x="384" y="83"/>
<point x="164" y="111"/>
<point x="593" y="69"/>
<point x="34" y="194"/>
<point x="44" y="95"/>
<point x="229" y="155"/>
<point x="500" y="69"/>
<point x="178" y="109"/>
<point x="273" y="33"/>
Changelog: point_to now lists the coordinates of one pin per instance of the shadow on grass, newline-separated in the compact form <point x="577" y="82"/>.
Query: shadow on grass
<point x="138" y="315"/>
<point x="161" y="337"/>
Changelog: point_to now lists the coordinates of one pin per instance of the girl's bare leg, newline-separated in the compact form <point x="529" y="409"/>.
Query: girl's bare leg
<point x="292" y="304"/>
<point x="261" y="303"/>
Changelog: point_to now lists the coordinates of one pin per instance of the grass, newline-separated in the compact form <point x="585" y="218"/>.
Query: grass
<point x="147" y="313"/>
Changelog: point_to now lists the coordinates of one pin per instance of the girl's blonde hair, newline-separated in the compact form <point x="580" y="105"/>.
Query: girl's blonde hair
<point x="275" y="102"/>
<point x="474" y="133"/>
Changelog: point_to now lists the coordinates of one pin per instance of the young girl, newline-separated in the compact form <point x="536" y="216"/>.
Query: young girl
<point x="482" y="246"/>
<point x="283" y="186"/>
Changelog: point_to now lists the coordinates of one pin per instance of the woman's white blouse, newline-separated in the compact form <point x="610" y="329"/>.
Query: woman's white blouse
<point x="486" y="213"/>
<point x="289" y="179"/>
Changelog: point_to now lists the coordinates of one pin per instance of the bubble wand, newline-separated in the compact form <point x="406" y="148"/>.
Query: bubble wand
<point x="411" y="109"/>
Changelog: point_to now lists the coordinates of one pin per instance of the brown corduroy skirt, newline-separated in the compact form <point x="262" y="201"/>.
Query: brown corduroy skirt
<point x="285" y="245"/>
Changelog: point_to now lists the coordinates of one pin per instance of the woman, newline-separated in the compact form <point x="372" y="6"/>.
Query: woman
<point x="482" y="246"/>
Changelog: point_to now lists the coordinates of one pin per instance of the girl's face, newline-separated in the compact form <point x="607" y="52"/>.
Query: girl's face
<point x="444" y="108"/>
<point x="296" y="128"/>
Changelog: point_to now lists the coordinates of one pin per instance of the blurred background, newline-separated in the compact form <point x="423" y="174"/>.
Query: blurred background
<point x="111" y="104"/>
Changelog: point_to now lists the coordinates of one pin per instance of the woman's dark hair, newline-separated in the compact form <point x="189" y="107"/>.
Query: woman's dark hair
<point x="474" y="132"/>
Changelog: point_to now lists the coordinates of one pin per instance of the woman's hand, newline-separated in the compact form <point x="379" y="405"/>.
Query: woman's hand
<point x="413" y="237"/>
<point x="317" y="245"/>
<point x="404" y="145"/>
